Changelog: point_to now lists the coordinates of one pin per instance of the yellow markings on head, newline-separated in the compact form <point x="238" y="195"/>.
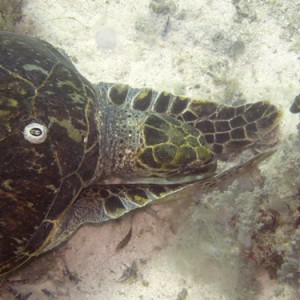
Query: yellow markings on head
<point x="183" y="98"/>
<point x="140" y="201"/>
<point x="117" y="213"/>
<point x="143" y="94"/>
<point x="203" y="152"/>
<point x="200" y="101"/>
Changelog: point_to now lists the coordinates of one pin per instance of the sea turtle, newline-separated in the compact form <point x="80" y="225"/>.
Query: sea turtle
<point x="72" y="152"/>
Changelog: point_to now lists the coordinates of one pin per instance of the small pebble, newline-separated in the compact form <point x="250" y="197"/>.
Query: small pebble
<point x="295" y="108"/>
<point x="182" y="295"/>
<point x="163" y="6"/>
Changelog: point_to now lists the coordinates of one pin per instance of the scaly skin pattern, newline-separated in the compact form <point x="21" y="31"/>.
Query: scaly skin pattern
<point x="227" y="129"/>
<point x="72" y="152"/>
<point x="146" y="145"/>
<point x="170" y="144"/>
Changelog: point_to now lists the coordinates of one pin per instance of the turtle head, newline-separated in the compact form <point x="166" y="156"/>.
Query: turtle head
<point x="157" y="146"/>
<point x="173" y="148"/>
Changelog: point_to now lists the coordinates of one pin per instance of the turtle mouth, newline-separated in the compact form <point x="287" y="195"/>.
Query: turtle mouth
<point x="197" y="167"/>
<point x="138" y="180"/>
<point x="189" y="173"/>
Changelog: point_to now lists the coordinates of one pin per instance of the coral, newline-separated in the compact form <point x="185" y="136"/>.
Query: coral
<point x="217" y="224"/>
<point x="249" y="226"/>
<point x="290" y="267"/>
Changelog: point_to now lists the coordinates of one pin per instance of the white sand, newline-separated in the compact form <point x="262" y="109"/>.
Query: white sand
<point x="212" y="50"/>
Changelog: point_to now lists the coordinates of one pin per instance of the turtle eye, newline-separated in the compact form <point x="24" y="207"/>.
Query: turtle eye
<point x="35" y="133"/>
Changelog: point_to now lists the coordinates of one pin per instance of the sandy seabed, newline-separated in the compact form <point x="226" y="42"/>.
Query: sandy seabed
<point x="226" y="51"/>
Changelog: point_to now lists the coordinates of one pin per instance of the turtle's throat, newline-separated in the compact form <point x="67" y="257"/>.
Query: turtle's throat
<point x="120" y="139"/>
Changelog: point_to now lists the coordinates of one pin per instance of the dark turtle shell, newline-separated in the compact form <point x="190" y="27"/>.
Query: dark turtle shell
<point x="48" y="143"/>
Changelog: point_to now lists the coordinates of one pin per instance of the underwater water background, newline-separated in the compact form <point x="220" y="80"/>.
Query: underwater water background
<point x="240" y="242"/>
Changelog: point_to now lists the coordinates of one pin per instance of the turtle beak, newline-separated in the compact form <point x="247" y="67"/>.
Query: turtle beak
<point x="199" y="167"/>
